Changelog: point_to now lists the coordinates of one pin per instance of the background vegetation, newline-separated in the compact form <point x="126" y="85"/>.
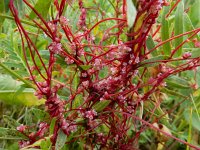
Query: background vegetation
<point x="177" y="107"/>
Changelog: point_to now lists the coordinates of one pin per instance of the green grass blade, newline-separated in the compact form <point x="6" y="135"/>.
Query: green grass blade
<point x="165" y="31"/>
<point x="178" y="27"/>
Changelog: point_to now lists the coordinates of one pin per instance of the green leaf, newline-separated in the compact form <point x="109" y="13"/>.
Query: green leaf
<point x="188" y="26"/>
<point x="131" y="13"/>
<point x="13" y="73"/>
<point x="85" y="67"/>
<point x="39" y="114"/>
<point x="102" y="128"/>
<point x="13" y="146"/>
<point x="61" y="139"/>
<point x="190" y="129"/>
<point x="195" y="118"/>
<point x="165" y="31"/>
<point x="77" y="101"/>
<point x="37" y="143"/>
<point x="46" y="144"/>
<point x="194" y="13"/>
<point x="11" y="92"/>
<point x="172" y="92"/>
<point x="45" y="54"/>
<point x="177" y="82"/>
<point x="10" y="134"/>
<point x="150" y="105"/>
<point x="72" y="15"/>
<point x="100" y="106"/>
<point x="2" y="10"/>
<point x="30" y="149"/>
<point x="153" y="61"/>
<point x="76" y="80"/>
<point x="52" y="125"/>
<point x="12" y="123"/>
<point x="42" y="7"/>
<point x="150" y="45"/>
<point x="195" y="52"/>
<point x="6" y="2"/>
<point x="178" y="27"/>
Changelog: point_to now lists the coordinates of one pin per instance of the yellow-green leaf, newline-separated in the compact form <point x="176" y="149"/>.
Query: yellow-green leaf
<point x="13" y="92"/>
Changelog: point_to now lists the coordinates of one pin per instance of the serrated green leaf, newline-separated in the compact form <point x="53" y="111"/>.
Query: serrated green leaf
<point x="178" y="27"/>
<point x="42" y="7"/>
<point x="131" y="13"/>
